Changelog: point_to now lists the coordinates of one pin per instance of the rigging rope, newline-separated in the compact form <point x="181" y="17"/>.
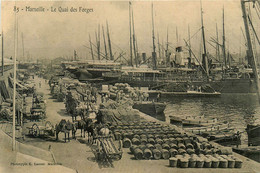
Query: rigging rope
<point x="194" y="34"/>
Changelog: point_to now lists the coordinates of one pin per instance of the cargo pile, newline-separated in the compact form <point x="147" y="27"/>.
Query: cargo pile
<point x="117" y="112"/>
<point x="123" y="91"/>
<point x="152" y="140"/>
<point x="205" y="161"/>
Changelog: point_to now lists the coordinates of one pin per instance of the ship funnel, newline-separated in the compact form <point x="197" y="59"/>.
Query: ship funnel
<point x="154" y="60"/>
<point x="144" y="57"/>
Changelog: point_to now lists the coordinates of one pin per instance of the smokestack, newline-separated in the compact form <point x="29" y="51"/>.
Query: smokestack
<point x="144" y="57"/>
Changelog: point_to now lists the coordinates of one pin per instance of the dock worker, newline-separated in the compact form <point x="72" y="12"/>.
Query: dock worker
<point x="106" y="97"/>
<point x="158" y="97"/>
<point x="146" y="96"/>
<point x="93" y="99"/>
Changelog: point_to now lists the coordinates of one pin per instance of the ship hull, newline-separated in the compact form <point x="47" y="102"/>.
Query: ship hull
<point x="151" y="108"/>
<point x="253" y="135"/>
<point x="222" y="86"/>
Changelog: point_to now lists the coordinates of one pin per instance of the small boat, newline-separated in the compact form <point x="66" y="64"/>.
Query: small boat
<point x="190" y="94"/>
<point x="229" y="138"/>
<point x="252" y="152"/>
<point x="207" y="130"/>
<point x="193" y="121"/>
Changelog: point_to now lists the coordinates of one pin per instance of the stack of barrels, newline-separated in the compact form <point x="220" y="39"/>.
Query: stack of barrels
<point x="205" y="161"/>
<point x="151" y="140"/>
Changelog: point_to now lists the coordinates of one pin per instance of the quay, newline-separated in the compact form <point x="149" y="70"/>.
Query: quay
<point x="77" y="154"/>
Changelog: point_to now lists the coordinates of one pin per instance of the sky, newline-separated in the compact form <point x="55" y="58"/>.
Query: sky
<point x="48" y="35"/>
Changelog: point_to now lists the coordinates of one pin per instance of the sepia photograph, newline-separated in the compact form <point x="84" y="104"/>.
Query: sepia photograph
<point x="130" y="86"/>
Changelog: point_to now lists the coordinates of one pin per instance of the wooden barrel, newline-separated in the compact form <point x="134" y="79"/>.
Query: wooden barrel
<point x="166" y="140"/>
<point x="158" y="141"/>
<point x="189" y="145"/>
<point x="129" y="135"/>
<point x="147" y="154"/>
<point x="207" y="151"/>
<point x="158" y="146"/>
<point x="173" y="152"/>
<point x="127" y="143"/>
<point x="136" y="136"/>
<point x="184" y="163"/>
<point x="143" y="141"/>
<point x="181" y="145"/>
<point x="157" y="136"/>
<point x="151" y="141"/>
<point x="199" y="163"/>
<point x="150" y="136"/>
<point x="238" y="163"/>
<point x="223" y="163"/>
<point x="138" y="153"/>
<point x="136" y="141"/>
<point x="143" y="136"/>
<point x="172" y="145"/>
<point x="157" y="154"/>
<point x="132" y="148"/>
<point x="173" y="141"/>
<point x="173" y="162"/>
<point x="150" y="146"/>
<point x="231" y="163"/>
<point x="207" y="145"/>
<point x="169" y="135"/>
<point x="207" y="163"/>
<point x="186" y="140"/>
<point x="180" y="140"/>
<point x="215" y="162"/>
<point x="190" y="151"/>
<point x="165" y="154"/>
<point x="164" y="137"/>
<point x="142" y="147"/>
<point x="192" y="162"/>
<point x="165" y="146"/>
<point x="176" y="135"/>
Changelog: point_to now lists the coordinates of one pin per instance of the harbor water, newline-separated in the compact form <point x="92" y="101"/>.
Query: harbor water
<point x="236" y="109"/>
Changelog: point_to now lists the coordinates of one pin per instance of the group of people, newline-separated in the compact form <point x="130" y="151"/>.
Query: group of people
<point x="104" y="97"/>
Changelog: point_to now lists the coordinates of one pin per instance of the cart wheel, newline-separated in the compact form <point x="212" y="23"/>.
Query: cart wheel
<point x="35" y="130"/>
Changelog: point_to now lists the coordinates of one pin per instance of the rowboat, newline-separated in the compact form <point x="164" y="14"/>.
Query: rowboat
<point x="192" y="121"/>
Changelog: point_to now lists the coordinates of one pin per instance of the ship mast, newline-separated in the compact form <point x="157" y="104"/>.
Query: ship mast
<point x="104" y="38"/>
<point x="189" y="41"/>
<point x="2" y="53"/>
<point x="130" y="29"/>
<point x="98" y="42"/>
<point x="75" y="55"/>
<point x="217" y="45"/>
<point x="92" y="55"/>
<point x="250" y="52"/>
<point x="134" y="44"/>
<point x="159" y="49"/>
<point x="23" y="45"/>
<point x="204" y="44"/>
<point x="166" y="51"/>
<point x="109" y="44"/>
<point x="14" y="79"/>
<point x="177" y="36"/>
<point x="154" y="50"/>
<point x="224" y="41"/>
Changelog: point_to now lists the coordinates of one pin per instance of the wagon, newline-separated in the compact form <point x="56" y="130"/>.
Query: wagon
<point x="37" y="130"/>
<point x="36" y="114"/>
<point x="107" y="151"/>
